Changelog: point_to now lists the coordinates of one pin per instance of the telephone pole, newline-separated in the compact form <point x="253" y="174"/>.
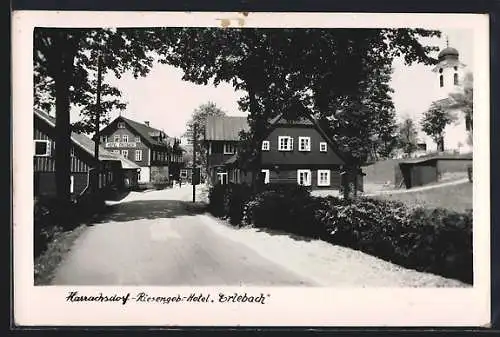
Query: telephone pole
<point x="194" y="163"/>
<point x="98" y="107"/>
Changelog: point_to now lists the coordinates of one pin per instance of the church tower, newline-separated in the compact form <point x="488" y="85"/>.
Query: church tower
<point x="449" y="79"/>
<point x="450" y="73"/>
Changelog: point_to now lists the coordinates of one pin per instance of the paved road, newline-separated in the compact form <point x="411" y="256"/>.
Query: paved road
<point x="155" y="238"/>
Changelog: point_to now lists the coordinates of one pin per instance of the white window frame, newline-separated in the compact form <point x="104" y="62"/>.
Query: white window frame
<point x="265" y="145"/>
<point x="138" y="155"/>
<point x="307" y="182"/>
<point x="220" y="178"/>
<point x="308" y="145"/>
<point x="289" y="146"/>
<point x="323" y="147"/>
<point x="328" y="179"/>
<point x="229" y="148"/>
<point x="267" y="175"/>
<point x="116" y="138"/>
<point x="121" y="125"/>
<point x="47" y="149"/>
<point x="137" y="139"/>
<point x="125" y="138"/>
<point x="124" y="153"/>
<point x="71" y="184"/>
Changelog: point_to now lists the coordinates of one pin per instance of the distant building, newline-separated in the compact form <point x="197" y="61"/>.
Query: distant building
<point x="159" y="156"/>
<point x="87" y="174"/>
<point x="221" y="139"/>
<point x="450" y="73"/>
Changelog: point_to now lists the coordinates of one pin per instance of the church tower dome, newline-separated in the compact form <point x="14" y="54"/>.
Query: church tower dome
<point x="448" y="53"/>
<point x="449" y="72"/>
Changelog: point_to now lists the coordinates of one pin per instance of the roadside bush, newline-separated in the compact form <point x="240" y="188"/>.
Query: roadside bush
<point x="218" y="200"/>
<point x="46" y="226"/>
<point x="285" y="208"/>
<point x="442" y="243"/>
<point x="437" y="240"/>
<point x="238" y="196"/>
<point x="432" y="240"/>
<point x="228" y="201"/>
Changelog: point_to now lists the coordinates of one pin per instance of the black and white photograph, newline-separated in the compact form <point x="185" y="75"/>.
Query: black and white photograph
<point x="257" y="158"/>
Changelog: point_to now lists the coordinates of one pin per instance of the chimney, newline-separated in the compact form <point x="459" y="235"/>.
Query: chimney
<point x="146" y="122"/>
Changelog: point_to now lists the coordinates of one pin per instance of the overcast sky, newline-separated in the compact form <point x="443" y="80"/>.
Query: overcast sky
<point x="167" y="102"/>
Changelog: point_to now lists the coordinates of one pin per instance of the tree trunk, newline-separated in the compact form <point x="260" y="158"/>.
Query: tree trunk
<point x="255" y="162"/>
<point x="441" y="144"/>
<point x="62" y="76"/>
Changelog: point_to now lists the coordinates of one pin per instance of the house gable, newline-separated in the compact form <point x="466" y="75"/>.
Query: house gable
<point x="313" y="156"/>
<point x="82" y="147"/>
<point x="304" y="126"/>
<point x="146" y="133"/>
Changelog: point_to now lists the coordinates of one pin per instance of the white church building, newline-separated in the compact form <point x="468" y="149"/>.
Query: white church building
<point x="449" y="78"/>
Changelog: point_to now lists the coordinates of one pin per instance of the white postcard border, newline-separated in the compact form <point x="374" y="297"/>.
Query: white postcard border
<point x="286" y="306"/>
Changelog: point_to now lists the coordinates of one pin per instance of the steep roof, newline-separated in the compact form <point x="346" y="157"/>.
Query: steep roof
<point x="309" y="120"/>
<point x="127" y="163"/>
<point x="225" y="128"/>
<point x="144" y="131"/>
<point x="87" y="144"/>
<point x="281" y="120"/>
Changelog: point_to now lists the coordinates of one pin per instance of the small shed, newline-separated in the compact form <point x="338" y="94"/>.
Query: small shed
<point x="416" y="172"/>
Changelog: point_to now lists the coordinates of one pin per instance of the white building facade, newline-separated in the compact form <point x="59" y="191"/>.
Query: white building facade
<point x="449" y="78"/>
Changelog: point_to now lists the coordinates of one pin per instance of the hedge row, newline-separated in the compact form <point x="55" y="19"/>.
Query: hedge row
<point x="50" y="219"/>
<point x="437" y="240"/>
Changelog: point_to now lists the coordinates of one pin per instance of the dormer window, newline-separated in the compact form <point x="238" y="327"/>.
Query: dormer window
<point x="265" y="145"/>
<point x="285" y="143"/>
<point x="121" y="125"/>
<point x="304" y="143"/>
<point x="229" y="148"/>
<point x="322" y="147"/>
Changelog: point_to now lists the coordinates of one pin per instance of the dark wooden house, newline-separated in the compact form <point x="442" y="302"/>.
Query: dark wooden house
<point x="292" y="152"/>
<point x="159" y="156"/>
<point x="87" y="173"/>
<point x="222" y="135"/>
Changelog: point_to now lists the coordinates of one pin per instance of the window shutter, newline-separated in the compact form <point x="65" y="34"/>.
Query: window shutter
<point x="291" y="143"/>
<point x="49" y="148"/>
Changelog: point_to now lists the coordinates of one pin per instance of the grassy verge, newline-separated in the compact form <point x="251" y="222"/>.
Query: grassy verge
<point x="455" y="197"/>
<point x="49" y="260"/>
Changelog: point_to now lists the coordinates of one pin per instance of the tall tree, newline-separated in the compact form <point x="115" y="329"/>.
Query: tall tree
<point x="326" y="70"/>
<point x="199" y="119"/>
<point x="64" y="63"/>
<point x="407" y="137"/>
<point x="434" y="122"/>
